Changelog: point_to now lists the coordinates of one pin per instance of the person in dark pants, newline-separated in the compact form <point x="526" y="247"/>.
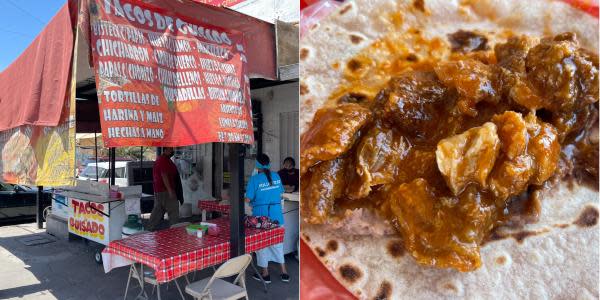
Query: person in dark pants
<point x="165" y="198"/>
<point x="290" y="176"/>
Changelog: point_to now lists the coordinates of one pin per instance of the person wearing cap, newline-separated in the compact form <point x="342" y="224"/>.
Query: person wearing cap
<point x="264" y="192"/>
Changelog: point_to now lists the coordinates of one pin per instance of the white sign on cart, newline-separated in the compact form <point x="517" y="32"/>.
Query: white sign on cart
<point x="89" y="220"/>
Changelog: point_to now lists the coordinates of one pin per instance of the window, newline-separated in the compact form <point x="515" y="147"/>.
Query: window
<point x="5" y="187"/>
<point x="120" y="172"/>
<point x="90" y="172"/>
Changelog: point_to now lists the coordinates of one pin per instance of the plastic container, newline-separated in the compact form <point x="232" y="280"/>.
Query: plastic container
<point x="193" y="228"/>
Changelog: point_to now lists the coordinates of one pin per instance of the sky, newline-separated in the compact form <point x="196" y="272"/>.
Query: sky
<point x="20" y="22"/>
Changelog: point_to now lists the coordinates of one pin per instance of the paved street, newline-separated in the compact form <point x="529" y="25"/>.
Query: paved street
<point x="66" y="270"/>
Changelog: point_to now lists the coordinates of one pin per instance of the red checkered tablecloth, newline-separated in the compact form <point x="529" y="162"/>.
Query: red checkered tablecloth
<point x="213" y="206"/>
<point x="173" y="253"/>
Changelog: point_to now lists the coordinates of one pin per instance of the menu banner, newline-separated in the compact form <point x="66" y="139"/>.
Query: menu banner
<point x="164" y="80"/>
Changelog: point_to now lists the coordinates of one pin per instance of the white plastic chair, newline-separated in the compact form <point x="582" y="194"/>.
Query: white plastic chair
<point x="217" y="288"/>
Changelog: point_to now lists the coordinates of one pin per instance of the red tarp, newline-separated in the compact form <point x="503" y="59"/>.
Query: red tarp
<point x="34" y="87"/>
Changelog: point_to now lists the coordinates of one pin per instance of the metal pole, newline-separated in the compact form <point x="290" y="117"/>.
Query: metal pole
<point x="38" y="204"/>
<point x="141" y="158"/>
<point x="236" y="214"/>
<point x="96" y="153"/>
<point x="111" y="166"/>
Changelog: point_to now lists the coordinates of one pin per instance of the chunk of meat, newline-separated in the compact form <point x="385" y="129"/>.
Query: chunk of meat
<point x="415" y="101"/>
<point x="511" y="177"/>
<point x="442" y="233"/>
<point x="543" y="147"/>
<point x="418" y="163"/>
<point x="320" y="187"/>
<point x="467" y="41"/>
<point x="514" y="168"/>
<point x="332" y="132"/>
<point x="468" y="157"/>
<point x="529" y="154"/>
<point x="473" y="80"/>
<point x="511" y="55"/>
<point x="570" y="124"/>
<point x="378" y="156"/>
<point x="562" y="74"/>
<point x="515" y="87"/>
<point x="512" y="131"/>
<point x="511" y="62"/>
<point x="521" y="93"/>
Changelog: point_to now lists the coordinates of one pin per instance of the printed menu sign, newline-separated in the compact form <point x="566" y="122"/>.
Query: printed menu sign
<point x="164" y="80"/>
<point x="86" y="220"/>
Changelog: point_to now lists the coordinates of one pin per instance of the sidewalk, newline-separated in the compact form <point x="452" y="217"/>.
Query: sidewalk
<point x="59" y="269"/>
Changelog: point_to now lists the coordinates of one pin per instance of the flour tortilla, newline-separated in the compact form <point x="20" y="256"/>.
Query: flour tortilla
<point x="556" y="258"/>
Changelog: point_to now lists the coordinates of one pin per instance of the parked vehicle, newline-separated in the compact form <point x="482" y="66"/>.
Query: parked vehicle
<point x="83" y="164"/>
<point x="18" y="202"/>
<point x="127" y="173"/>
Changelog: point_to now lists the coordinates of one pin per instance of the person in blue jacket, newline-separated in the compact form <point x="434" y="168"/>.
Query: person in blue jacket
<point x="264" y="195"/>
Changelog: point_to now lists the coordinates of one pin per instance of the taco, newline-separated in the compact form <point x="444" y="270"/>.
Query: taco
<point x="450" y="149"/>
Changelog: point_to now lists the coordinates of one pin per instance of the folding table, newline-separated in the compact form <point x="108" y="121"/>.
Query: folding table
<point x="173" y="253"/>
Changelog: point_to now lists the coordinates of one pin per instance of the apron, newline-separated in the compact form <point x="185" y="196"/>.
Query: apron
<point x="272" y="205"/>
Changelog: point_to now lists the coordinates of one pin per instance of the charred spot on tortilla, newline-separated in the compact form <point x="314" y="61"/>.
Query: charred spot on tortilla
<point x="419" y="4"/>
<point x="395" y="248"/>
<point x="385" y="291"/>
<point x="522" y="235"/>
<point x="563" y="226"/>
<point x="355" y="39"/>
<point x="345" y="9"/>
<point x="501" y="260"/>
<point x="306" y="237"/>
<point x="350" y="273"/>
<point x="412" y="57"/>
<point x="321" y="252"/>
<point x="304" y="53"/>
<point x="303" y="89"/>
<point x="354" y="65"/>
<point x="450" y="286"/>
<point x="332" y="245"/>
<point x="467" y="41"/>
<point x="519" y="236"/>
<point x="588" y="217"/>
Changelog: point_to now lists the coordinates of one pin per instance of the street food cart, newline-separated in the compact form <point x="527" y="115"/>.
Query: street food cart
<point x="96" y="214"/>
